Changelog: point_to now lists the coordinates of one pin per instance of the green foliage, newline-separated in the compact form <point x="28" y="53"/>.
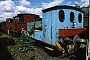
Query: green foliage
<point x="24" y="43"/>
<point x="31" y="54"/>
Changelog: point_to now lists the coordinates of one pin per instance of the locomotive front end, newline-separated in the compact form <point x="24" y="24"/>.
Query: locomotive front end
<point x="72" y="35"/>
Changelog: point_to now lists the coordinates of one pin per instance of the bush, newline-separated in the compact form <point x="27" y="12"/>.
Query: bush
<point x="24" y="43"/>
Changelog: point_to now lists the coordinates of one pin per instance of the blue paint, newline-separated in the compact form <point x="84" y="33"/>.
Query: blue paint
<point x="38" y="35"/>
<point x="51" y="24"/>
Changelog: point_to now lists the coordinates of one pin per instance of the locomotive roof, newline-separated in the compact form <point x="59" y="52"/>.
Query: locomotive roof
<point x="62" y="7"/>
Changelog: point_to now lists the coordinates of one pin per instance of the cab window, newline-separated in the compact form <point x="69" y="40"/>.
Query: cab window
<point x="79" y="17"/>
<point x="61" y="16"/>
<point x="71" y="17"/>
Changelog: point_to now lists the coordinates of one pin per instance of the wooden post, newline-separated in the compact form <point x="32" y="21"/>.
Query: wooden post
<point x="8" y="31"/>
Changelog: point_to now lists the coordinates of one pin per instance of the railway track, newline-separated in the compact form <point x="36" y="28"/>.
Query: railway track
<point x="21" y="54"/>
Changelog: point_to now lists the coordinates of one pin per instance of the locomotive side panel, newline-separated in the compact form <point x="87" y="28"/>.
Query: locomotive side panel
<point x="38" y="35"/>
<point x="47" y="26"/>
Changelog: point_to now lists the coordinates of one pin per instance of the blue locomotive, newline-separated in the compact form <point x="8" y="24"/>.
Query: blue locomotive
<point x="61" y="26"/>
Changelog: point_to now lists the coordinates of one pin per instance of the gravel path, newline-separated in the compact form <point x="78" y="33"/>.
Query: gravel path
<point x="46" y="55"/>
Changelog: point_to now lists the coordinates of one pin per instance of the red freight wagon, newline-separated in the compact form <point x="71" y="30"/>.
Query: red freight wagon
<point x="9" y="24"/>
<point x="20" y="21"/>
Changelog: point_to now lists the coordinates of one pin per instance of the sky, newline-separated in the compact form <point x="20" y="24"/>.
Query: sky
<point x="10" y="8"/>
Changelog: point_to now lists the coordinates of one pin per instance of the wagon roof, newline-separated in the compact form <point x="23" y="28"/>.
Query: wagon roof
<point x="26" y="14"/>
<point x="62" y="7"/>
